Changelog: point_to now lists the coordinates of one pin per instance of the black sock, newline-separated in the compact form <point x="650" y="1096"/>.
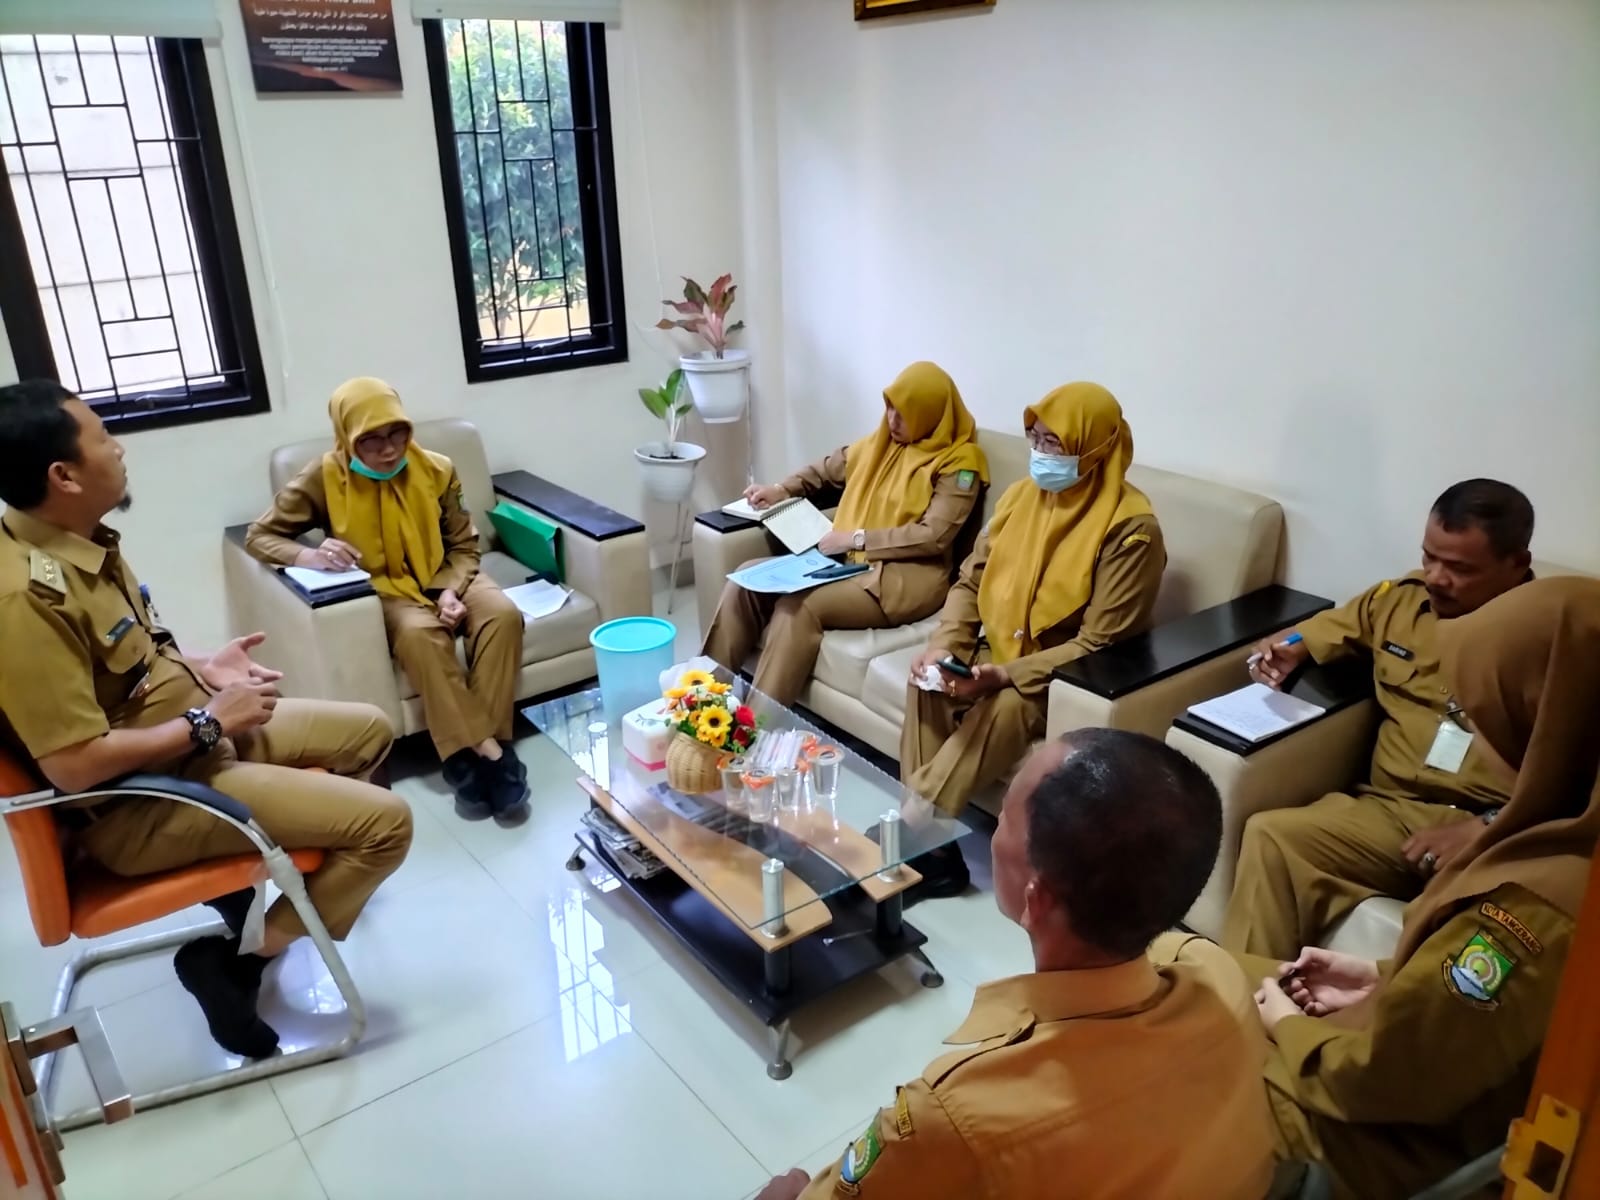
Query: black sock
<point x="247" y="968"/>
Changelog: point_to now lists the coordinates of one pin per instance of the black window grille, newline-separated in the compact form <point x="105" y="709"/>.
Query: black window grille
<point x="120" y="268"/>
<point x="524" y="131"/>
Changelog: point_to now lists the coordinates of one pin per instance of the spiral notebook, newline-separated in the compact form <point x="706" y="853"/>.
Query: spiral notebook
<point x="796" y="522"/>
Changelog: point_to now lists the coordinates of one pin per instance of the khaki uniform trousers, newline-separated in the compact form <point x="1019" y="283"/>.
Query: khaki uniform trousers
<point x="1302" y="869"/>
<point x="949" y="749"/>
<point x="794" y="626"/>
<point x="365" y="829"/>
<point x="462" y="708"/>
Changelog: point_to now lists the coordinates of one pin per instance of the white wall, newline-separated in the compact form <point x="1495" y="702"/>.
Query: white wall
<point x="341" y="202"/>
<point x="1343" y="252"/>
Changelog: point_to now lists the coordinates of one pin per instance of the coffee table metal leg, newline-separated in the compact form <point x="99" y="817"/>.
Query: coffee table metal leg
<point x="575" y="863"/>
<point x="890" y="914"/>
<point x="780" y="1067"/>
<point x="776" y="966"/>
<point x="931" y="977"/>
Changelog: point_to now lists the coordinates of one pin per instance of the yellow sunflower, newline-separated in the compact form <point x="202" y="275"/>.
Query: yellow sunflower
<point x="719" y="688"/>
<point x="676" y="693"/>
<point x="694" y="679"/>
<point x="713" y="725"/>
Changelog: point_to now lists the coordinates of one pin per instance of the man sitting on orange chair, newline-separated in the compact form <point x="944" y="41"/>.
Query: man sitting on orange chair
<point x="92" y="688"/>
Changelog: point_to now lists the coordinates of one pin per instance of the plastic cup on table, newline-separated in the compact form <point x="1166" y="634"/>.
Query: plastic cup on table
<point x="733" y="785"/>
<point x="758" y="799"/>
<point x="826" y="762"/>
<point x="787" y="781"/>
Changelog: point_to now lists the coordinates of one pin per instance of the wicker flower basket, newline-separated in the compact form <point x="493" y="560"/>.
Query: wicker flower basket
<point x="692" y="766"/>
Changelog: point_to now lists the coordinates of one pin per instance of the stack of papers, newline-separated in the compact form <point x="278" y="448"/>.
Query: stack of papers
<point x="1256" y="712"/>
<point x="316" y="582"/>
<point x="538" y="598"/>
<point x="789" y="574"/>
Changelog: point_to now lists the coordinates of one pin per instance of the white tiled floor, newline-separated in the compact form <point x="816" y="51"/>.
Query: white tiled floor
<point x="532" y="1034"/>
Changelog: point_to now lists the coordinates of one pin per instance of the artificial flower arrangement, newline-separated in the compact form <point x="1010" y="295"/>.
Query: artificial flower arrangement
<point x="701" y="709"/>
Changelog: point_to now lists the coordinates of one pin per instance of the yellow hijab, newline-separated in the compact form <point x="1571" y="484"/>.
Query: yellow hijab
<point x="888" y="483"/>
<point x="1043" y="545"/>
<point x="394" y="523"/>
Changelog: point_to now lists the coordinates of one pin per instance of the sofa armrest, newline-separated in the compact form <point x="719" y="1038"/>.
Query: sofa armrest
<point x="722" y="544"/>
<point x="327" y="649"/>
<point x="1143" y="683"/>
<point x="1327" y="754"/>
<point x="606" y="553"/>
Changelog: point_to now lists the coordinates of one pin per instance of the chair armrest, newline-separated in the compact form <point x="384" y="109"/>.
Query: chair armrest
<point x="162" y="787"/>
<point x="329" y="651"/>
<point x="1325" y="755"/>
<point x="722" y="544"/>
<point x="606" y="553"/>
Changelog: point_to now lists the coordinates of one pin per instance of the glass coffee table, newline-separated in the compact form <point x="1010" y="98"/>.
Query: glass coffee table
<point x="782" y="911"/>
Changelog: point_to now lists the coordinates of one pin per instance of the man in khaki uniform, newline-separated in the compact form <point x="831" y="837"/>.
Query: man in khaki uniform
<point x="93" y="688"/>
<point x="1429" y="789"/>
<point x="909" y="488"/>
<point x="1107" y="1074"/>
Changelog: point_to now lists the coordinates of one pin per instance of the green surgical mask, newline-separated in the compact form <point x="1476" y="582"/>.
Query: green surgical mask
<point x="361" y="468"/>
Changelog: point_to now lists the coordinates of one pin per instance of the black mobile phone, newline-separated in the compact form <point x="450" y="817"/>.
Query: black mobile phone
<point x="955" y="666"/>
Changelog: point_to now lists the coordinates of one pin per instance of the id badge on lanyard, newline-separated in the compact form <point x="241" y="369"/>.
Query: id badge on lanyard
<point x="1450" y="746"/>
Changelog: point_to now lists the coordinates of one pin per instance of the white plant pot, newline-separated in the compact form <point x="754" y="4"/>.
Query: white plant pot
<point x="668" y="479"/>
<point x="719" y="387"/>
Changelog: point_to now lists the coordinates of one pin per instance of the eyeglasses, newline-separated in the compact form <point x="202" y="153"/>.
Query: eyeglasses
<point x="396" y="438"/>
<point x="1044" y="441"/>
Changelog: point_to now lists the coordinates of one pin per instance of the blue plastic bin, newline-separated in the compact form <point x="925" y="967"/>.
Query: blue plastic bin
<point x="629" y="655"/>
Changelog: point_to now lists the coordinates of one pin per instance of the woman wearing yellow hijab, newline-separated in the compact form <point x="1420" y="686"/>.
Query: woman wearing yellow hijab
<point x="395" y="510"/>
<point x="1071" y="562"/>
<point x="909" y="487"/>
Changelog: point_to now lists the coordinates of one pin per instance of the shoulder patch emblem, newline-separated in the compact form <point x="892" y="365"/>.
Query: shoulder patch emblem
<point x="862" y="1154"/>
<point x="1479" y="971"/>
<point x="46" y="571"/>
<point x="1135" y="539"/>
<point x="965" y="480"/>
<point x="1513" y="926"/>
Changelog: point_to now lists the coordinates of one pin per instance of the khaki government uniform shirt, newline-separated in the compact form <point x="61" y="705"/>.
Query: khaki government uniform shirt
<point x="1127" y="579"/>
<point x="82" y="651"/>
<point x="1132" y="1082"/>
<point x="302" y="505"/>
<point x="1445" y="1061"/>
<point x="1394" y="625"/>
<point x="910" y="563"/>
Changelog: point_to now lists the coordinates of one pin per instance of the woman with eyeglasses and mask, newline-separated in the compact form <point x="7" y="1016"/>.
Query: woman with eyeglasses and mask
<point x="396" y="511"/>
<point x="1071" y="562"/>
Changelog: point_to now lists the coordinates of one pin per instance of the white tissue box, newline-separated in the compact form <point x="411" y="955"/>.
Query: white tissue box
<point x="645" y="734"/>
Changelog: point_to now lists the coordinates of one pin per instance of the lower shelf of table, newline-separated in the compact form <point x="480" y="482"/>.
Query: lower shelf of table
<point x="850" y="946"/>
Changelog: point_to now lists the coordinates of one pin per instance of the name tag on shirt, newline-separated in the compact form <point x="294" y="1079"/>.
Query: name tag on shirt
<point x="1450" y="746"/>
<point x="1398" y="651"/>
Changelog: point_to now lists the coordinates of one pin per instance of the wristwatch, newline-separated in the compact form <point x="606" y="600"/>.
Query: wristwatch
<point x="1489" y="815"/>
<point x="205" y="730"/>
<point x="859" y="539"/>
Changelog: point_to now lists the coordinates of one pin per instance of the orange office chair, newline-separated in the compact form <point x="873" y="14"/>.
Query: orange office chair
<point x="90" y="902"/>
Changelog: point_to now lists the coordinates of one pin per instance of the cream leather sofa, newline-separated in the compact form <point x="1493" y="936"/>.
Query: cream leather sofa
<point x="337" y="649"/>
<point x="1330" y="754"/>
<point x="1222" y="544"/>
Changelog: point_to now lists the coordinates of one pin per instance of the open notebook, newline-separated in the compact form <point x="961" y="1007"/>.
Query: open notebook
<point x="796" y="522"/>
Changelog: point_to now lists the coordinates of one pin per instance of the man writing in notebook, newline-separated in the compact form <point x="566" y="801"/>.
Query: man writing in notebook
<point x="1428" y="791"/>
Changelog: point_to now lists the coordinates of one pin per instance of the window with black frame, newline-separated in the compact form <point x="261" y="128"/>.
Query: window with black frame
<point x="524" y="132"/>
<point x="122" y="272"/>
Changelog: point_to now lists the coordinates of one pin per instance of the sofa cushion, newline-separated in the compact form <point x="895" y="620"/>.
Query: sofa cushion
<point x="842" y="661"/>
<point x="888" y="677"/>
<point x="1371" y="930"/>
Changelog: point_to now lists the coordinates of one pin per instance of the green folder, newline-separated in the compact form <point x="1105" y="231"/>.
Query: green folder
<point x="529" y="538"/>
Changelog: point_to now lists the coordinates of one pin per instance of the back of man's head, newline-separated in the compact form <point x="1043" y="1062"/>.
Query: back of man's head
<point x="36" y="430"/>
<point x="1503" y="513"/>
<point x="1123" y="833"/>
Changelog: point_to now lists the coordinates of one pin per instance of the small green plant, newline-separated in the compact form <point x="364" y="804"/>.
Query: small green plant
<point x="707" y="312"/>
<point x="669" y="404"/>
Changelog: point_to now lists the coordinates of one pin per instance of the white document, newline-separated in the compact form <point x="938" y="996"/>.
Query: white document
<point x="321" y="581"/>
<point x="746" y="511"/>
<point x="1256" y="712"/>
<point x="538" y="598"/>
<point x="799" y="526"/>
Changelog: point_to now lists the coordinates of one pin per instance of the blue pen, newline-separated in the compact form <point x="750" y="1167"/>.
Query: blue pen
<point x="1294" y="639"/>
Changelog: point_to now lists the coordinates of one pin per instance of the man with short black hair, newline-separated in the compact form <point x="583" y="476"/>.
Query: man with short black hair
<point x="1124" y="1073"/>
<point x="1429" y="790"/>
<point x="93" y="688"/>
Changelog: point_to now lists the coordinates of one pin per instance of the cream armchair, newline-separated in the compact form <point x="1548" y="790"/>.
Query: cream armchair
<point x="335" y="648"/>
<point x="1217" y="595"/>
<point x="1329" y="754"/>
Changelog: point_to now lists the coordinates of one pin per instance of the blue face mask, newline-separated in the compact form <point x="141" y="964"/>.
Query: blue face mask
<point x="361" y="468"/>
<point x="1053" y="472"/>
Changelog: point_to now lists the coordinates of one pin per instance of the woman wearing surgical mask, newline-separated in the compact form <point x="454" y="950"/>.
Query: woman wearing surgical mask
<point x="1071" y="562"/>
<point x="909" y="487"/>
<point x="1394" y="1074"/>
<point x="395" y="510"/>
